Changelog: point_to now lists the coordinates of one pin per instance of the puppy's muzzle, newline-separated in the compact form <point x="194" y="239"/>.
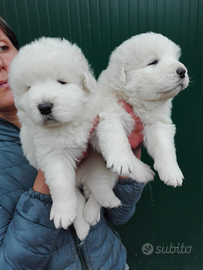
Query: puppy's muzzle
<point x="45" y="108"/>
<point x="181" y="72"/>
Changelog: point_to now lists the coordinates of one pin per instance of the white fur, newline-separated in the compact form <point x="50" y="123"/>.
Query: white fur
<point x="133" y="76"/>
<point x="54" y="144"/>
<point x="56" y="141"/>
<point x="98" y="183"/>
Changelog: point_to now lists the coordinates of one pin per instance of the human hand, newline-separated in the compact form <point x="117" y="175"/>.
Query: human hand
<point x="40" y="184"/>
<point x="136" y="136"/>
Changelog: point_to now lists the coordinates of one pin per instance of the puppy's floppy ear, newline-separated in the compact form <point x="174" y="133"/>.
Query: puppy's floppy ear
<point x="89" y="82"/>
<point x="118" y="78"/>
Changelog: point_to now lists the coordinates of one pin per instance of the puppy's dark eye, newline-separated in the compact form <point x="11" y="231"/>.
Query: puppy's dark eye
<point x="153" y="63"/>
<point x="62" y="82"/>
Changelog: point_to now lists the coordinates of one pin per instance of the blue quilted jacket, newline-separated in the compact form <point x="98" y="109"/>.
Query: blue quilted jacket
<point x="28" y="239"/>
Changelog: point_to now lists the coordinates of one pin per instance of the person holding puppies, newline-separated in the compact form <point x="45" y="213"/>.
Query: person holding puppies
<point x="28" y="239"/>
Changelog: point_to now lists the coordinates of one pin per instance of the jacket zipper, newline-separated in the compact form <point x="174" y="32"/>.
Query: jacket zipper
<point x="77" y="244"/>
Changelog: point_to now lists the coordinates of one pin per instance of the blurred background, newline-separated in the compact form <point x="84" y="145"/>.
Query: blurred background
<point x="169" y="219"/>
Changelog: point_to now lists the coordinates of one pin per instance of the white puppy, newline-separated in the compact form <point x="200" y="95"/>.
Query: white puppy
<point x="145" y="72"/>
<point x="57" y="100"/>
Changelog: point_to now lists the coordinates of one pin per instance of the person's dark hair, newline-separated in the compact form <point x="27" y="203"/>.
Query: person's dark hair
<point x="8" y="32"/>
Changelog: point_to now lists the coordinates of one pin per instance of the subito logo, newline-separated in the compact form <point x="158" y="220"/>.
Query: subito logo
<point x="147" y="249"/>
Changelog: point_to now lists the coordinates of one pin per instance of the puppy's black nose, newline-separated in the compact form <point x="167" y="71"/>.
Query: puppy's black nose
<point x="45" y="108"/>
<point x="181" y="72"/>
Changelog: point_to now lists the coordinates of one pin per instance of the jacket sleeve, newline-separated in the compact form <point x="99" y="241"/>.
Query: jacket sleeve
<point x="29" y="238"/>
<point x="129" y="192"/>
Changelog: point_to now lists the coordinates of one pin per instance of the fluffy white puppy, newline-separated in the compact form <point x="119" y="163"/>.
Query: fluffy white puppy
<point x="145" y="72"/>
<point x="57" y="101"/>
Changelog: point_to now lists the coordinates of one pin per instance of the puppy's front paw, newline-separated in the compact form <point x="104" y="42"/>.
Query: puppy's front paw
<point x="82" y="227"/>
<point x="92" y="213"/>
<point x="109" y="201"/>
<point x="142" y="173"/>
<point x="106" y="197"/>
<point x="120" y="164"/>
<point x="169" y="173"/>
<point x="63" y="213"/>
